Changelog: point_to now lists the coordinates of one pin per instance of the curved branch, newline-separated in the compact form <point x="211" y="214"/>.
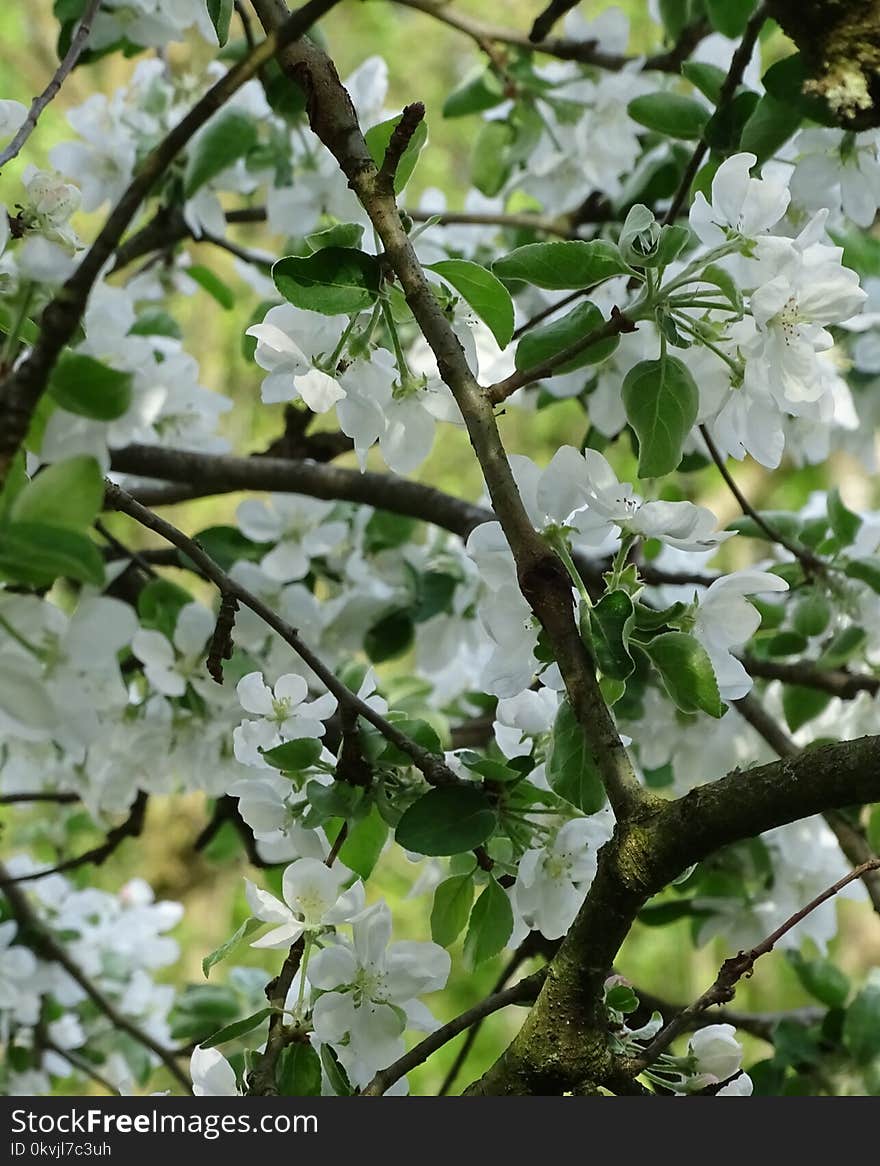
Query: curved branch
<point x="431" y="766"/>
<point x="46" y="945"/>
<point x="523" y="992"/>
<point x="542" y="577"/>
<point x="23" y="389"/>
<point x="75" y="50"/>
<point x="130" y="828"/>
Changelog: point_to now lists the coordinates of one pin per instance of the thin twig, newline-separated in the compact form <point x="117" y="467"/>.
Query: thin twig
<point x="432" y="767"/>
<point x="81" y="1065"/>
<point x="810" y="562"/>
<point x="738" y="65"/>
<point x="523" y="992"/>
<point x="38" y="796"/>
<point x="47" y="946"/>
<point x="77" y="45"/>
<point x="738" y="966"/>
<point x="130" y="828"/>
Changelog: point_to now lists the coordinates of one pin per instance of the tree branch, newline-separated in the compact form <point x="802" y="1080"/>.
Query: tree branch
<point x="542" y="577"/>
<point x="130" y="828"/>
<point x="75" y="49"/>
<point x="432" y="767"/>
<point x="735" y="968"/>
<point x="47" y="946"/>
<point x="24" y="387"/>
<point x="738" y="65"/>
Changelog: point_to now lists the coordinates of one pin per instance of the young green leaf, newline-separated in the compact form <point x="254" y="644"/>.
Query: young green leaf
<point x="447" y="821"/>
<point x="37" y="553"/>
<point x="67" y="494"/>
<point x="485" y="293"/>
<point x="610" y="621"/>
<point x="563" y="265"/>
<point x="670" y="114"/>
<point x="225" y="950"/>
<point x="80" y="384"/>
<point x="236" y="1029"/>
<point x="364" y="844"/>
<point x="661" y="400"/>
<point x="687" y="673"/>
<point x="220" y="12"/>
<point x="294" y="756"/>
<point x="547" y="340"/>
<point x="491" y="925"/>
<point x="213" y="285"/>
<point x="377" y="139"/>
<point x="452" y="905"/>
<point x="572" y="771"/>
<point x="299" y="1071"/>
<point x="333" y="281"/>
<point x="228" y="136"/>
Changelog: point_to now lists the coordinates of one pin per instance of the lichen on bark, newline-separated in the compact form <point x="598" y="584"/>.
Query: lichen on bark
<point x="840" y="44"/>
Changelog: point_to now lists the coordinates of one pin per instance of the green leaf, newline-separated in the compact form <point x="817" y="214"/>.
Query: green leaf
<point x="491" y="925"/>
<point x="201" y="1008"/>
<point x="227" y="545"/>
<point x="687" y="673"/>
<point x="434" y="594"/>
<point x="225" y="950"/>
<point x="80" y="384"/>
<point x="479" y="91"/>
<point x="802" y="705"/>
<point x="337" y="800"/>
<point x="418" y="731"/>
<point x="861" y="1025"/>
<point x="294" y="756"/>
<point x="785" y="81"/>
<point x="491" y="161"/>
<point x="770" y="126"/>
<point x="485" y="293"/>
<point x="220" y="12"/>
<point x="812" y="614"/>
<point x="487" y="767"/>
<point x="377" y="139"/>
<point x="621" y="998"/>
<point x="447" y="821"/>
<point x="844" y="523"/>
<point x="364" y="844"/>
<point x="572" y="771"/>
<point x="822" y="979"/>
<point x="299" y="1071"/>
<point x="213" y="285"/>
<point x="730" y="17"/>
<point x="709" y="79"/>
<point x="610" y="621"/>
<point x="547" y="340"/>
<point x="37" y="553"/>
<point x="452" y="906"/>
<point x="336" y="1075"/>
<point x="845" y="644"/>
<point x="334" y="281"/>
<point x="866" y="571"/>
<point x="339" y="235"/>
<point x="391" y="636"/>
<point x="237" y="1028"/>
<point x="670" y="114"/>
<point x="661" y="400"/>
<point x="159" y="605"/>
<point x="227" y="137"/>
<point x="563" y="265"/>
<point x="385" y="531"/>
<point x="67" y="494"/>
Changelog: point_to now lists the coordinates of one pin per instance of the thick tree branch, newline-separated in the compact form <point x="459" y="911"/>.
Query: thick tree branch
<point x="24" y="387"/>
<point x="542" y="577"/>
<point x="47" y="946"/>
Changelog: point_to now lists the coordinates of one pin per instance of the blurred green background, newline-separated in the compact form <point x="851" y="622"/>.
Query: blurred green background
<point x="425" y="60"/>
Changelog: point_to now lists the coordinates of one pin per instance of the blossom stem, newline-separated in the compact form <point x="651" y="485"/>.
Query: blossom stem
<point x="19" y="638"/>
<point x="10" y="345"/>
<point x="307" y="951"/>
<point x="560" y="544"/>
<point x="343" y="341"/>
<point x="399" y="358"/>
